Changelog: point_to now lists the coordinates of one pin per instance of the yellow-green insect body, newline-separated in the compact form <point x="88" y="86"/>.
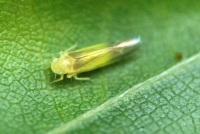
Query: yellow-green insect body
<point x="90" y="58"/>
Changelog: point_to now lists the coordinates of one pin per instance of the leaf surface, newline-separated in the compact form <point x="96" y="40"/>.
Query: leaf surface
<point x="150" y="91"/>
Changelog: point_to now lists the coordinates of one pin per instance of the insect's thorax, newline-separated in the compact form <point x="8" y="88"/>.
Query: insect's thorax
<point x="65" y="63"/>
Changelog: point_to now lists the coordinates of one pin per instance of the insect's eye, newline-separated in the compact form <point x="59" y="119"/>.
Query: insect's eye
<point x="59" y="72"/>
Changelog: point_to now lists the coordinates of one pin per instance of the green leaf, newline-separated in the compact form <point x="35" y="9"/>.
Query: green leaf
<point x="152" y="91"/>
<point x="166" y="103"/>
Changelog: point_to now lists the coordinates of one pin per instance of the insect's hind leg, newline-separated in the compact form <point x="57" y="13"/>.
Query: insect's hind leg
<point x="77" y="78"/>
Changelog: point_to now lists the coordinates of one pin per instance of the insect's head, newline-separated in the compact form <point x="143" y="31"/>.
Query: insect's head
<point x="61" y="65"/>
<point x="55" y="68"/>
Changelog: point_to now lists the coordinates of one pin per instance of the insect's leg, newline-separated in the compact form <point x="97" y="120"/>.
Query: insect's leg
<point x="71" y="48"/>
<point x="61" y="78"/>
<point x="70" y="75"/>
<point x="76" y="77"/>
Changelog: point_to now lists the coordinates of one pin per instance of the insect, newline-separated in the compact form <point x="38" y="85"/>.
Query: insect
<point x="90" y="58"/>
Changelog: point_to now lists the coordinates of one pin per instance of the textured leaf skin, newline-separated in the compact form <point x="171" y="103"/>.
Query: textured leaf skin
<point x="34" y="31"/>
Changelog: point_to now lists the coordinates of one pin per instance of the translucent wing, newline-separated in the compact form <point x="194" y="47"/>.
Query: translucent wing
<point x="88" y="50"/>
<point x="100" y="55"/>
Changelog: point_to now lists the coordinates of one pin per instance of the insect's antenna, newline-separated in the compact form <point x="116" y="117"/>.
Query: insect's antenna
<point x="46" y="67"/>
<point x="71" y="48"/>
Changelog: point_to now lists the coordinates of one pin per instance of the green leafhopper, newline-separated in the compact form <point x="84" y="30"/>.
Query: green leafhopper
<point x="90" y="58"/>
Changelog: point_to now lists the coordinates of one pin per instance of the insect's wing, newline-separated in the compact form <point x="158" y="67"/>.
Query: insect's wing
<point x="87" y="55"/>
<point x="88" y="50"/>
<point x="92" y="61"/>
<point x="88" y="59"/>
